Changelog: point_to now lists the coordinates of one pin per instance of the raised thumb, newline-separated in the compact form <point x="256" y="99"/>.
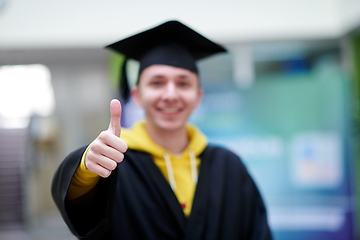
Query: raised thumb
<point x="115" y="116"/>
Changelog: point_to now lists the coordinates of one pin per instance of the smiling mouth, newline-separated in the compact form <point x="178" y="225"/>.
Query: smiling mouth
<point x="169" y="110"/>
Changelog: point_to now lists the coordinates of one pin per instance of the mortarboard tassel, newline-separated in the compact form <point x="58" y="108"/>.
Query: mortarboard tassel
<point x="124" y="88"/>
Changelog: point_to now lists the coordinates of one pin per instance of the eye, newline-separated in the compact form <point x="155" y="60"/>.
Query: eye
<point x="156" y="82"/>
<point x="184" y="84"/>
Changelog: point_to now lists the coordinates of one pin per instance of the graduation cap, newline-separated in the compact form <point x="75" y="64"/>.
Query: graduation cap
<point x="171" y="43"/>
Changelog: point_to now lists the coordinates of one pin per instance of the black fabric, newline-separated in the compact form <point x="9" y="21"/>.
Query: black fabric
<point x="136" y="202"/>
<point x="172" y="54"/>
<point x="169" y="32"/>
<point x="124" y="88"/>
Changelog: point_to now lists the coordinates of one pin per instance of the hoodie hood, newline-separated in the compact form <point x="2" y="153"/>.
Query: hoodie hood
<point x="137" y="138"/>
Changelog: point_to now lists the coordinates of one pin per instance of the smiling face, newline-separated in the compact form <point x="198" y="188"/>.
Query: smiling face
<point x="168" y="95"/>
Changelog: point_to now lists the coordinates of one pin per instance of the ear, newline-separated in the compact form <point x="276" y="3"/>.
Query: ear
<point x="135" y="93"/>
<point x="200" y="95"/>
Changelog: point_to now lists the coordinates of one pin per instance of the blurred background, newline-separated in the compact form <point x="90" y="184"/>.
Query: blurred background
<point x="285" y="98"/>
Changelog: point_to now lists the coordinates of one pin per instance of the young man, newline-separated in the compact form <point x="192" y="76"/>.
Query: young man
<point x="160" y="179"/>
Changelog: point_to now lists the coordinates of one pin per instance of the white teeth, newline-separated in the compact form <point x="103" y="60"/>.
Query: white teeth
<point x="169" y="110"/>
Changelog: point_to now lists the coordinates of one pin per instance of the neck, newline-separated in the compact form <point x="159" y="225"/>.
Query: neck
<point x="174" y="141"/>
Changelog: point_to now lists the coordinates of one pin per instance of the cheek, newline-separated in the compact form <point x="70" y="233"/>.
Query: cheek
<point x="147" y="99"/>
<point x="142" y="97"/>
<point x="193" y="100"/>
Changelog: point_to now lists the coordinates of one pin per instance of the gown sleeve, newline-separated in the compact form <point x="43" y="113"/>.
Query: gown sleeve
<point x="82" y="181"/>
<point x="259" y="228"/>
<point x="87" y="217"/>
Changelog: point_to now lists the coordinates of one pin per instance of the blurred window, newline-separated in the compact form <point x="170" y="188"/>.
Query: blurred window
<point x="25" y="90"/>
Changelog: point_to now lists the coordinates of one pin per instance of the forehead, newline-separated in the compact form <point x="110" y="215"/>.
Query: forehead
<point x="166" y="71"/>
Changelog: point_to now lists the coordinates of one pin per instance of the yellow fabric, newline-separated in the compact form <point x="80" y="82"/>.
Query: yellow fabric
<point x="137" y="138"/>
<point x="82" y="182"/>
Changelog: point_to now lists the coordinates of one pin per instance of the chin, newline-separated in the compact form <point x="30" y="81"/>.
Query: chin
<point x="171" y="126"/>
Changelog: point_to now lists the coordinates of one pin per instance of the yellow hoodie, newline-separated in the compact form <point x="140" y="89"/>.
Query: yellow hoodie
<point x="179" y="170"/>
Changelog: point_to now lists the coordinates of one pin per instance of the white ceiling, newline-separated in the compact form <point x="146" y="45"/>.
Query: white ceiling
<point x="90" y="23"/>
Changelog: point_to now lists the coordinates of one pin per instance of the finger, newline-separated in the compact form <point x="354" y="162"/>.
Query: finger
<point x="101" y="165"/>
<point x="100" y="170"/>
<point x="107" y="163"/>
<point x="115" y="116"/>
<point x="107" y="139"/>
<point x="101" y="151"/>
<point x="114" y="155"/>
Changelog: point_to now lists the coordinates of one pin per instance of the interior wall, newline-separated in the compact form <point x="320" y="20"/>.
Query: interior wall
<point x="41" y="23"/>
<point x="350" y="15"/>
<point x="82" y="95"/>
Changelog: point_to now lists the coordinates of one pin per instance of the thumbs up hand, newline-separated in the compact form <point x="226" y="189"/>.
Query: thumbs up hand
<point x="108" y="149"/>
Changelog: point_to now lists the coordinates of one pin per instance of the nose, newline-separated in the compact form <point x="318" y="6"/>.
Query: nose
<point x="170" y="91"/>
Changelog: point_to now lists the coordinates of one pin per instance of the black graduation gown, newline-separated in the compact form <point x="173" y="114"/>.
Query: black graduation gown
<point x="136" y="202"/>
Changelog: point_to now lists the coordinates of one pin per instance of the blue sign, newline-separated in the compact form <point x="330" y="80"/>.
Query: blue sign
<point x="291" y="132"/>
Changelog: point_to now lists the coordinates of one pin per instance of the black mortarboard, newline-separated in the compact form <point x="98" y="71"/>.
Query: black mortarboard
<point x="171" y="43"/>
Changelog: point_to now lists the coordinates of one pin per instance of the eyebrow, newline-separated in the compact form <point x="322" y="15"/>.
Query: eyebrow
<point x="162" y="76"/>
<point x="157" y="76"/>
<point x="184" y="76"/>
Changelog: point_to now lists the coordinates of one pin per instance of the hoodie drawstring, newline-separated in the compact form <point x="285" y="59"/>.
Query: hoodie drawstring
<point x="170" y="173"/>
<point x="194" y="172"/>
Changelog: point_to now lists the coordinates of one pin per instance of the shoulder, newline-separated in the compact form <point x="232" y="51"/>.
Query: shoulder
<point x="222" y="157"/>
<point x="226" y="168"/>
<point x="222" y="152"/>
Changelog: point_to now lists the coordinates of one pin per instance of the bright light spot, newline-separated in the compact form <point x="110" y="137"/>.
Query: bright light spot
<point x="24" y="90"/>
